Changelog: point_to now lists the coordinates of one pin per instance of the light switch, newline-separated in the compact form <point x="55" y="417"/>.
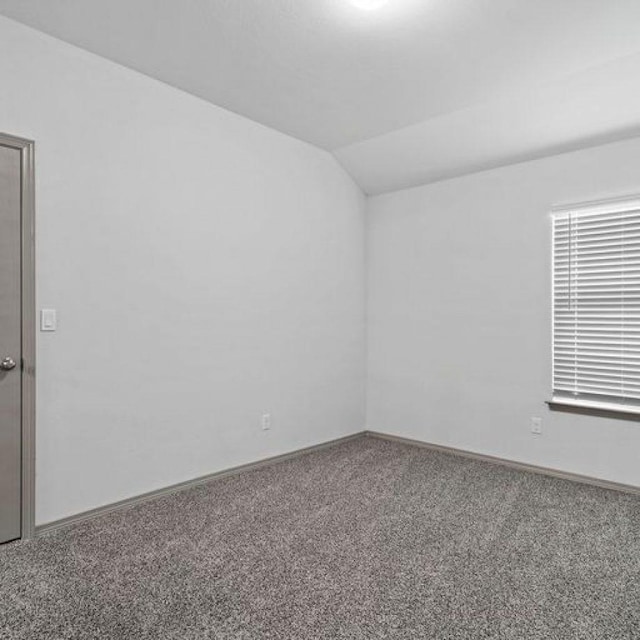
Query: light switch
<point x="48" y="320"/>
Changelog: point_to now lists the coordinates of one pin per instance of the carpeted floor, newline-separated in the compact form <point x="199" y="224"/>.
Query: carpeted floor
<point x="368" y="539"/>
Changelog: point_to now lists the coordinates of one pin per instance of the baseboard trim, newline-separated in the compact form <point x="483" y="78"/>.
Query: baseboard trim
<point x="265" y="462"/>
<point x="188" y="484"/>
<point x="512" y="464"/>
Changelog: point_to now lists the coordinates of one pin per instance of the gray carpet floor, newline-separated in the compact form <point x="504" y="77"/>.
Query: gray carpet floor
<point x="368" y="539"/>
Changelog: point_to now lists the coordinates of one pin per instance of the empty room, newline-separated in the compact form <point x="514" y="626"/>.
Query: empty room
<point x="319" y="319"/>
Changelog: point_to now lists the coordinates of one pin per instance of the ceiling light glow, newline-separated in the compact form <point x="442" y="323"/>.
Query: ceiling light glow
<point x="368" y="5"/>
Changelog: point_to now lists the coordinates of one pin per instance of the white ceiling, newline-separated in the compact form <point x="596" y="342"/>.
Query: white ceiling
<point x="595" y="106"/>
<point x="388" y="91"/>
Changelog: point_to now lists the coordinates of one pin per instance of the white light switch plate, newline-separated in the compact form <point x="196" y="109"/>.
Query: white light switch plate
<point x="48" y="320"/>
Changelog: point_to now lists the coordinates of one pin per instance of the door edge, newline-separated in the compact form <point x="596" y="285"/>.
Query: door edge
<point x="28" y="329"/>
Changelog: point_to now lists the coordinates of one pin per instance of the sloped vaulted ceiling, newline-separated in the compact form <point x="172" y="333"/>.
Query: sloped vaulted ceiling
<point x="416" y="91"/>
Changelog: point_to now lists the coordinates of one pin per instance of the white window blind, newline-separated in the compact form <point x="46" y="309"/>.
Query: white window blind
<point x="596" y="304"/>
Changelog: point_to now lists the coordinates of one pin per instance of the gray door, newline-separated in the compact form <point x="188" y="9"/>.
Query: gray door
<point x="10" y="344"/>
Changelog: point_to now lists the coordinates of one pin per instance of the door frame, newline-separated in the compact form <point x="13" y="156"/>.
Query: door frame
<point x="28" y="329"/>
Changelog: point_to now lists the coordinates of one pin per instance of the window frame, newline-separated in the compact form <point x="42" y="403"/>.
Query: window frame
<point x="587" y="404"/>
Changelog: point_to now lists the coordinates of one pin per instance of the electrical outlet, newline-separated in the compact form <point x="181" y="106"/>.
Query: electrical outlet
<point x="536" y="426"/>
<point x="266" y="421"/>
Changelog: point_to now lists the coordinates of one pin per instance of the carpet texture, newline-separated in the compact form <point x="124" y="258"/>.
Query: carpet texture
<point x="368" y="539"/>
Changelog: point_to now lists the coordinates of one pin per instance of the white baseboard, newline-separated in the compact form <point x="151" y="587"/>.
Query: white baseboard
<point x="520" y="466"/>
<point x="513" y="464"/>
<point x="181" y="486"/>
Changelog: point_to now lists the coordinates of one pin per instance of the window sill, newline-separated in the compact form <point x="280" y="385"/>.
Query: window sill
<point x="593" y="406"/>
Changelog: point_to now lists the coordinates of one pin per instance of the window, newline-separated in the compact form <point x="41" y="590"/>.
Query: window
<point x="596" y="306"/>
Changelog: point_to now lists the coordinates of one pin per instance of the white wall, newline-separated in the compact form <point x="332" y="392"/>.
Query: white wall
<point x="459" y="313"/>
<point x="205" y="270"/>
